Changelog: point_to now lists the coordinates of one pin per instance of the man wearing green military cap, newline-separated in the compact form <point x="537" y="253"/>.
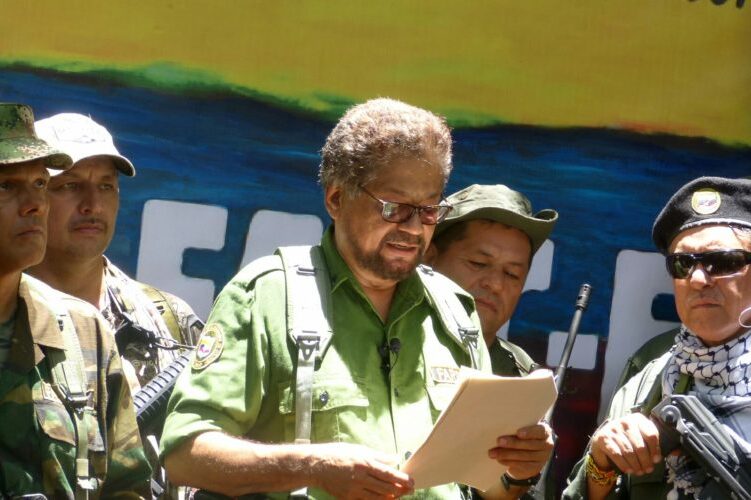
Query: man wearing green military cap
<point x="68" y="430"/>
<point x="486" y="245"/>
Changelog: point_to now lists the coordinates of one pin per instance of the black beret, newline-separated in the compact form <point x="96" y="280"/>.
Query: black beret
<point x="703" y="201"/>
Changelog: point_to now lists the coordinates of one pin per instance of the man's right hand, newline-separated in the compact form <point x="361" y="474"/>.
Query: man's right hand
<point x="631" y="443"/>
<point x="354" y="471"/>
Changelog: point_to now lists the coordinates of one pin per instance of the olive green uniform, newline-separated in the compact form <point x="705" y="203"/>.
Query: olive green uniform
<point x="249" y="389"/>
<point x="509" y="360"/>
<point x="37" y="438"/>
<point x="649" y="486"/>
<point x="651" y="349"/>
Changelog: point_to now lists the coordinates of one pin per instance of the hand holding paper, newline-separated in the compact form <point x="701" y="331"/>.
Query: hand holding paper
<point x="484" y="408"/>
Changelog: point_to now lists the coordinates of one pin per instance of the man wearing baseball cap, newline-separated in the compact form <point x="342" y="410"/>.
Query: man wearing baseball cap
<point x="704" y="231"/>
<point x="84" y="202"/>
<point x="486" y="245"/>
<point x="150" y="325"/>
<point x="69" y="429"/>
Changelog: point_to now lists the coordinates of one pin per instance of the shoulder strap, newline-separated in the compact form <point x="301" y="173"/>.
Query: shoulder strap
<point x="69" y="381"/>
<point x="524" y="364"/>
<point x="654" y="395"/>
<point x="452" y="313"/>
<point x="165" y="310"/>
<point x="307" y="291"/>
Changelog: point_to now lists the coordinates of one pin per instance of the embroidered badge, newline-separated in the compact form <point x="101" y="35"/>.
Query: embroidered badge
<point x="444" y="374"/>
<point x="705" y="201"/>
<point x="209" y="347"/>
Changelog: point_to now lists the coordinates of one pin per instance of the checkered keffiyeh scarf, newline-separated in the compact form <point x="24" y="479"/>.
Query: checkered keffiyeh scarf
<point x="721" y="378"/>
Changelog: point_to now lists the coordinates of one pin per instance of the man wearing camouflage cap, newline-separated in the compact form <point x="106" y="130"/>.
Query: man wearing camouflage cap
<point x="486" y="245"/>
<point x="68" y="430"/>
<point x="704" y="232"/>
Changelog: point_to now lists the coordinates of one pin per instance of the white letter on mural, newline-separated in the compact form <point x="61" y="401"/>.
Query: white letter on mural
<point x="167" y="229"/>
<point x="639" y="277"/>
<point x="270" y="229"/>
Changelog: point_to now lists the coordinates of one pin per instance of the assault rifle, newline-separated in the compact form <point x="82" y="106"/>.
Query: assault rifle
<point x="684" y="421"/>
<point x="543" y="490"/>
<point x="151" y="401"/>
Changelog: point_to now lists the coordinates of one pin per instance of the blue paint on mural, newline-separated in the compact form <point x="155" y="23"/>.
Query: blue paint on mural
<point x="607" y="185"/>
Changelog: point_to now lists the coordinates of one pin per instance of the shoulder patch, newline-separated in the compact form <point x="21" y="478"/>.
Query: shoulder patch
<point x="209" y="347"/>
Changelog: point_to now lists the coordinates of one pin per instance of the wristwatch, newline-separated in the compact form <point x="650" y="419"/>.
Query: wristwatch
<point x="509" y="481"/>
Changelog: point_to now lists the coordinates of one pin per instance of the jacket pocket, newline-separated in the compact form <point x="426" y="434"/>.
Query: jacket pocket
<point x="339" y="410"/>
<point x="440" y="397"/>
<point x="57" y="422"/>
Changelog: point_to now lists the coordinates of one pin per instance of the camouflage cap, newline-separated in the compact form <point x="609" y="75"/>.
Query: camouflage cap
<point x="81" y="137"/>
<point x="19" y="142"/>
<point x="501" y="204"/>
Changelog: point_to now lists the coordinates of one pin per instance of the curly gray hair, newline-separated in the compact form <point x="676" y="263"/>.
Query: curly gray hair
<point x="377" y="132"/>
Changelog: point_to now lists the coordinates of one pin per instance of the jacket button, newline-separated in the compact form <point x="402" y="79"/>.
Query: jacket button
<point x="324" y="397"/>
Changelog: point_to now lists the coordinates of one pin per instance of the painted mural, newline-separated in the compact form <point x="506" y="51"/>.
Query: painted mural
<point x="600" y="110"/>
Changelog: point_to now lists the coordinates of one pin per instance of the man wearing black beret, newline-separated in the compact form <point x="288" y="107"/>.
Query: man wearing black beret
<point x="704" y="231"/>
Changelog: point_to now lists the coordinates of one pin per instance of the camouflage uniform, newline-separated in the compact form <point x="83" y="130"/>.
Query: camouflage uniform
<point x="128" y="300"/>
<point x="168" y="318"/>
<point x="37" y="450"/>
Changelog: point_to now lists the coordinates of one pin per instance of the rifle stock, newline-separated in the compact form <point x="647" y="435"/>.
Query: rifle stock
<point x="151" y="401"/>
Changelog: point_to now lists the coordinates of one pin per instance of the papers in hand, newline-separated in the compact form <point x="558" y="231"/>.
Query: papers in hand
<point x="484" y="408"/>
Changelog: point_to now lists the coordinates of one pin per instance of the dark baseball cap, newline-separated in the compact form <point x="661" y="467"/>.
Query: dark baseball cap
<point x="502" y="204"/>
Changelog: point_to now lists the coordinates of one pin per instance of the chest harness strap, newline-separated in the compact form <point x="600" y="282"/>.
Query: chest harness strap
<point x="69" y="382"/>
<point x="452" y="313"/>
<point x="308" y="288"/>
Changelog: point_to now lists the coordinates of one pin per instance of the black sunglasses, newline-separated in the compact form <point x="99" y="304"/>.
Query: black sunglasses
<point x="718" y="263"/>
<point x="397" y="213"/>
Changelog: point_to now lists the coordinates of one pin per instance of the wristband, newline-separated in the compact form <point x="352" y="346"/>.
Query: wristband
<point x="599" y="476"/>
<point x="509" y="481"/>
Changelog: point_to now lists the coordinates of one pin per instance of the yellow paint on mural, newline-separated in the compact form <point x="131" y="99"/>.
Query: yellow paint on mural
<point x="674" y="66"/>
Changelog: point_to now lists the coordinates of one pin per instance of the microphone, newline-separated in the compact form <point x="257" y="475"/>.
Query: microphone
<point x="394" y="345"/>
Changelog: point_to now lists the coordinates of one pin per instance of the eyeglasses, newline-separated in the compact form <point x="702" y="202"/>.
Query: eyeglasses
<point x="397" y="213"/>
<point x="715" y="264"/>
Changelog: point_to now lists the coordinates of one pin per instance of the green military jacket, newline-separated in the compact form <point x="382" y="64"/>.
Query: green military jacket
<point x="651" y="349"/>
<point x="37" y="438"/>
<point x="632" y="395"/>
<point x="246" y="387"/>
<point x="509" y="360"/>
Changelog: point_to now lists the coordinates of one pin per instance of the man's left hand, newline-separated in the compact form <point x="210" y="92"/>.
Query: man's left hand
<point x="526" y="452"/>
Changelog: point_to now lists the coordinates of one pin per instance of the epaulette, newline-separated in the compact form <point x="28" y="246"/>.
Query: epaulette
<point x="257" y="268"/>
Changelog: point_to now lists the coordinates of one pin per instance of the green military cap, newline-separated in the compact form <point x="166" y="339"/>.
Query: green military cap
<point x="19" y="142"/>
<point x="501" y="204"/>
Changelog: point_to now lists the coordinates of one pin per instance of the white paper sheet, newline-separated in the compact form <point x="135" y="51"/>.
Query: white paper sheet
<point x="484" y="407"/>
